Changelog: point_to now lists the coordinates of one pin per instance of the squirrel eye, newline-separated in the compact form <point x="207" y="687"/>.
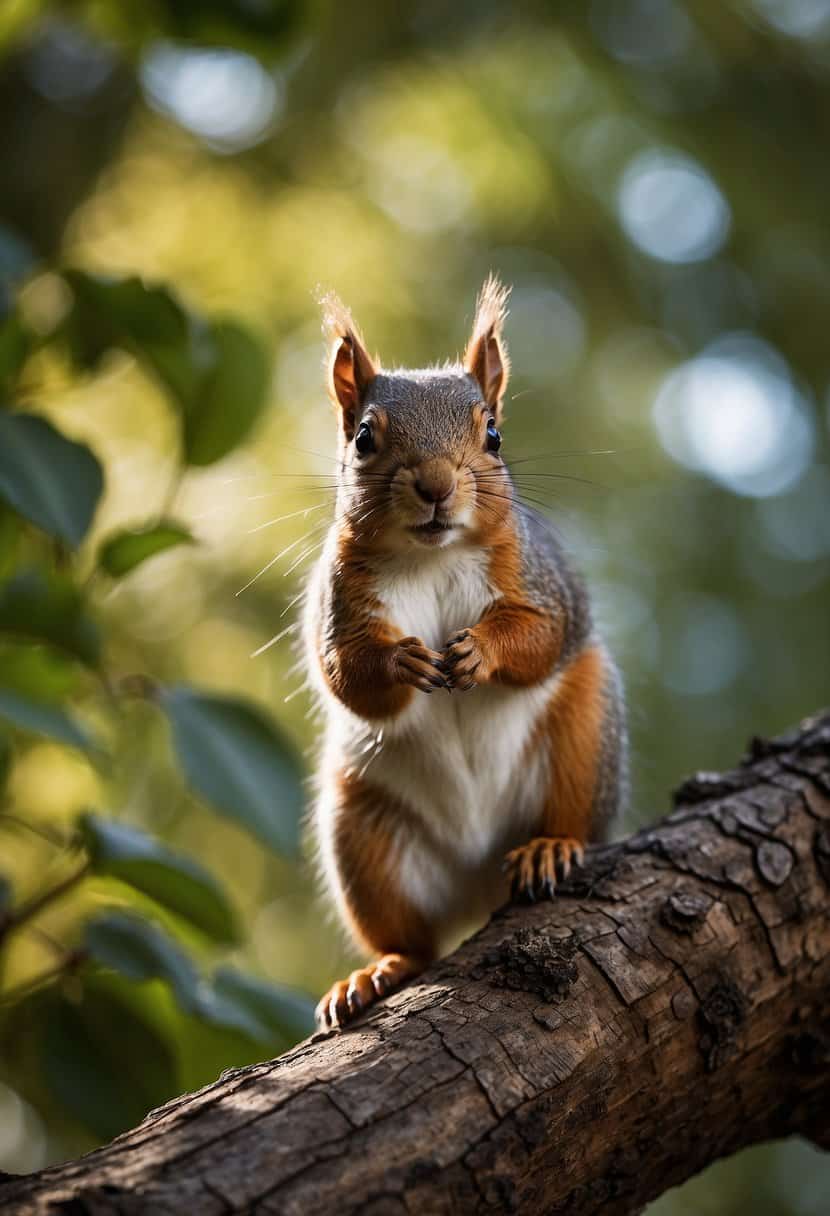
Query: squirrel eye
<point x="364" y="440"/>
<point x="493" y="436"/>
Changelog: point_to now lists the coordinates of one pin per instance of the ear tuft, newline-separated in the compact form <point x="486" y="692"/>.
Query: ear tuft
<point x="486" y="357"/>
<point x="349" y="368"/>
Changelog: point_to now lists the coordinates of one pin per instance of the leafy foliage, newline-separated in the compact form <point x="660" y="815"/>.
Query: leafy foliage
<point x="171" y="879"/>
<point x="234" y="757"/>
<point x="104" y="1063"/>
<point x="47" y="606"/>
<point x="101" y="1047"/>
<point x="125" y="550"/>
<point x="47" y="478"/>
<point x="214" y="372"/>
<point x="42" y="719"/>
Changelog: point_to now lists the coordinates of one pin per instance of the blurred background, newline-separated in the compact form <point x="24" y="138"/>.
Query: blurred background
<point x="653" y="178"/>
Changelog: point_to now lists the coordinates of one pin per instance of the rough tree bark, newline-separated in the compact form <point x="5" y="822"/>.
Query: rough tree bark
<point x="672" y="1006"/>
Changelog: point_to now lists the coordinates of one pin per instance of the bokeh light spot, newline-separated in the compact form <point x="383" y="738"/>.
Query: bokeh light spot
<point x="226" y="97"/>
<point x="419" y="184"/>
<point x="671" y="208"/>
<point x="734" y="414"/>
<point x="797" y="18"/>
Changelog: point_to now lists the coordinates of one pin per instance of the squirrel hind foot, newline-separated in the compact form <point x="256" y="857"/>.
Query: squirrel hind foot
<point x="536" y="867"/>
<point x="347" y="999"/>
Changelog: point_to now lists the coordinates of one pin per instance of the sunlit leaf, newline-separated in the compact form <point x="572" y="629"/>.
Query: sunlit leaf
<point x="36" y="671"/>
<point x="47" y="720"/>
<point x="233" y="755"/>
<point x="287" y="1012"/>
<point x="15" y="343"/>
<point x="125" y="550"/>
<point x="230" y="398"/>
<point x="141" y="951"/>
<point x="49" y="608"/>
<point x="104" y="1063"/>
<point x="171" y="879"/>
<point x="148" y="321"/>
<point x="51" y="480"/>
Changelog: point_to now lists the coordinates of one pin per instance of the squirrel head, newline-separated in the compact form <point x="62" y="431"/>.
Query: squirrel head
<point x="419" y="451"/>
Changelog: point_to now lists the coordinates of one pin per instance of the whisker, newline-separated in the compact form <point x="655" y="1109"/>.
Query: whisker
<point x="306" y="552"/>
<point x="292" y="603"/>
<point x="282" y="553"/>
<point x="562" y="455"/>
<point x="291" y="515"/>
<point x="276" y="638"/>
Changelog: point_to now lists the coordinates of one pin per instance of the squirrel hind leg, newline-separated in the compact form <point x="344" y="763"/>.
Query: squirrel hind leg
<point x="346" y="999"/>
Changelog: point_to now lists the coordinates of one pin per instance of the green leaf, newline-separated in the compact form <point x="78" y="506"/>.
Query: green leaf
<point x="216" y="373"/>
<point x="169" y="878"/>
<point x="15" y="344"/>
<point x="287" y="1012"/>
<point x="49" y="608"/>
<point x="231" y="395"/>
<point x="141" y="951"/>
<point x="233" y="755"/>
<point x="104" y="1063"/>
<point x="125" y="550"/>
<point x="48" y="478"/>
<point x="218" y="1009"/>
<point x="147" y="321"/>
<point x="42" y="719"/>
<point x="38" y="672"/>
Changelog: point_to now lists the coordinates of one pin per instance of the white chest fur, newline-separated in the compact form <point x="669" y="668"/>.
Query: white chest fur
<point x="459" y="761"/>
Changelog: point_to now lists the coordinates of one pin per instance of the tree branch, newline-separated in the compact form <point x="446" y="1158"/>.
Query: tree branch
<point x="671" y="1007"/>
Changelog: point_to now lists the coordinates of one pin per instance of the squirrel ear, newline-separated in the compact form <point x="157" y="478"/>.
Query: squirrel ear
<point x="486" y="357"/>
<point x="348" y="365"/>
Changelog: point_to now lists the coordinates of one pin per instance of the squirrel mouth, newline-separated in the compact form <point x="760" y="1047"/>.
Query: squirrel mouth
<point x="431" y="527"/>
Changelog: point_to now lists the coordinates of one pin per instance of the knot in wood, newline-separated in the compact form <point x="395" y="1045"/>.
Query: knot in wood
<point x="685" y="911"/>
<point x="721" y="1014"/>
<point x="774" y="861"/>
<point x="530" y="962"/>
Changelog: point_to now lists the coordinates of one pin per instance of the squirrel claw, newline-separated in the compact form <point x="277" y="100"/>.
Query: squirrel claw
<point x="419" y="666"/>
<point x="347" y="999"/>
<point x="462" y="659"/>
<point x="537" y="866"/>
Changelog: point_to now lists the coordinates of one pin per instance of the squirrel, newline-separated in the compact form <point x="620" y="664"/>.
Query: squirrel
<point x="435" y="579"/>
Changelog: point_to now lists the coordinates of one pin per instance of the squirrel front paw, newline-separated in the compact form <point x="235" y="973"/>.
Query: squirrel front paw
<point x="463" y="660"/>
<point x="415" y="664"/>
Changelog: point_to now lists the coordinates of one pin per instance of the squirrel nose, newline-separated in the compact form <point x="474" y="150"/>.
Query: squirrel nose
<point x="435" y="483"/>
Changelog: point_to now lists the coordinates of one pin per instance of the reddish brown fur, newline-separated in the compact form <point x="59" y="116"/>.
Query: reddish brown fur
<point x="572" y="728"/>
<point x="366" y="665"/>
<point x="364" y="844"/>
<point x="515" y="642"/>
